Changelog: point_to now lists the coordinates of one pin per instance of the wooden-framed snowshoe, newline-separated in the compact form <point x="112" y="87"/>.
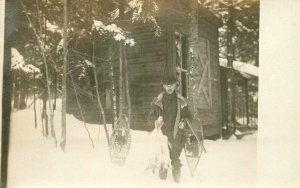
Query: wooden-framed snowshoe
<point x="120" y="141"/>
<point x="193" y="147"/>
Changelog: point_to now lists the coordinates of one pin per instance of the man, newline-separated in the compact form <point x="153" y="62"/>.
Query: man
<point x="167" y="110"/>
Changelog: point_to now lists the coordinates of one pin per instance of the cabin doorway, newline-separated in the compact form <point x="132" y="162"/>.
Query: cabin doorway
<point x="181" y="64"/>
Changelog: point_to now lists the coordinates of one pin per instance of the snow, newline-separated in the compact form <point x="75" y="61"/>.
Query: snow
<point x="53" y="28"/>
<point x="135" y="4"/>
<point x="59" y="46"/>
<point x="88" y="63"/>
<point x="113" y="28"/>
<point x="241" y="26"/>
<point x="17" y="62"/>
<point x="118" y="33"/>
<point x="244" y="68"/>
<point x="119" y="37"/>
<point x="35" y="162"/>
<point x="130" y="42"/>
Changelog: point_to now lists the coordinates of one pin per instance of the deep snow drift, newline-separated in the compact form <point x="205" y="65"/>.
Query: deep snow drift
<point x="35" y="162"/>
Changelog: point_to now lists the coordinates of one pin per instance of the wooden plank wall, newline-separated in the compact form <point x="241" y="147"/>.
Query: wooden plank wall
<point x="147" y="62"/>
<point x="211" y="118"/>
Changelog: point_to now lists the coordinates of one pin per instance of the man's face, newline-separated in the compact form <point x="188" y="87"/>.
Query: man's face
<point x="169" y="88"/>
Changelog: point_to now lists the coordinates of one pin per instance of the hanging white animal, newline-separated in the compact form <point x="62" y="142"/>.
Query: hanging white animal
<point x="158" y="150"/>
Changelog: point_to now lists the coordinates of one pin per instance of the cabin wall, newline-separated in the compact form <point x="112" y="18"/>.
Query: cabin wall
<point x="205" y="48"/>
<point x="211" y="118"/>
<point x="147" y="62"/>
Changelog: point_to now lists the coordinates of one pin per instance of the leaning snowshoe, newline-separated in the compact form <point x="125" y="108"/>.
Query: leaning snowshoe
<point x="193" y="147"/>
<point x="120" y="141"/>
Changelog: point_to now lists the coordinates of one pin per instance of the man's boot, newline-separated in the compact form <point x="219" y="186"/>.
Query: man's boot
<point x="176" y="174"/>
<point x="163" y="172"/>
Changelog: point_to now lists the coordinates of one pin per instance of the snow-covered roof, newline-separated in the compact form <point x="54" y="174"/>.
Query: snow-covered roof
<point x="245" y="69"/>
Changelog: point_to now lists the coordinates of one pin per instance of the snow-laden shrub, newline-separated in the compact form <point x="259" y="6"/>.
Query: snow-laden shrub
<point x="18" y="63"/>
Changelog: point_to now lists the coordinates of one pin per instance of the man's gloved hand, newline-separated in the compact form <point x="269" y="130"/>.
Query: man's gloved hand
<point x="159" y="122"/>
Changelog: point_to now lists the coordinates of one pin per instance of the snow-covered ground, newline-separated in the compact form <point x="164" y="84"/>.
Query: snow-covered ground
<point x="35" y="162"/>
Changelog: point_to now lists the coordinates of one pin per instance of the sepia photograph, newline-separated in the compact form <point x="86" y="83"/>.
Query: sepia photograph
<point x="132" y="93"/>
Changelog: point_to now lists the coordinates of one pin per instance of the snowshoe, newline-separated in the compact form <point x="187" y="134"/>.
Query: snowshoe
<point x="193" y="145"/>
<point x="119" y="143"/>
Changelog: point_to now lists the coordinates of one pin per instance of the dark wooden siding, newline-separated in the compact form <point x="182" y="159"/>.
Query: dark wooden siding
<point x="211" y="117"/>
<point x="147" y="61"/>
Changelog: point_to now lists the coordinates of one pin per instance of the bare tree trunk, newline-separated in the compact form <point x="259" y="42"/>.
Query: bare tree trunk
<point x="247" y="100"/>
<point x="233" y="114"/>
<point x="64" y="82"/>
<point x="42" y="118"/>
<point x="45" y="115"/>
<point x="113" y="88"/>
<point x="101" y="109"/>
<point x="81" y="113"/>
<point x="120" y="80"/>
<point x="34" y="102"/>
<point x="127" y="85"/>
<point x="55" y="91"/>
<point x="121" y="58"/>
<point x="16" y="90"/>
<point x="230" y="58"/>
<point x="23" y="86"/>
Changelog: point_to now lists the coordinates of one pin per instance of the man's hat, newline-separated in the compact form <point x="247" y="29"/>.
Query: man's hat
<point x="169" y="79"/>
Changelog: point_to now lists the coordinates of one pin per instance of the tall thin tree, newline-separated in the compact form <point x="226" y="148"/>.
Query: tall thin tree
<point x="113" y="86"/>
<point x="230" y="58"/>
<point x="64" y="81"/>
<point x="127" y="85"/>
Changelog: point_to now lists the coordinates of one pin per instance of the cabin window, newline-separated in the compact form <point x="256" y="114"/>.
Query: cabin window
<point x="181" y="63"/>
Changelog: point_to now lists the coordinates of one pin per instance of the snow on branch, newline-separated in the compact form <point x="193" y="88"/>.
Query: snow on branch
<point x="88" y="63"/>
<point x="118" y="33"/>
<point x="241" y="27"/>
<point x="18" y="63"/>
<point x="53" y="28"/>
